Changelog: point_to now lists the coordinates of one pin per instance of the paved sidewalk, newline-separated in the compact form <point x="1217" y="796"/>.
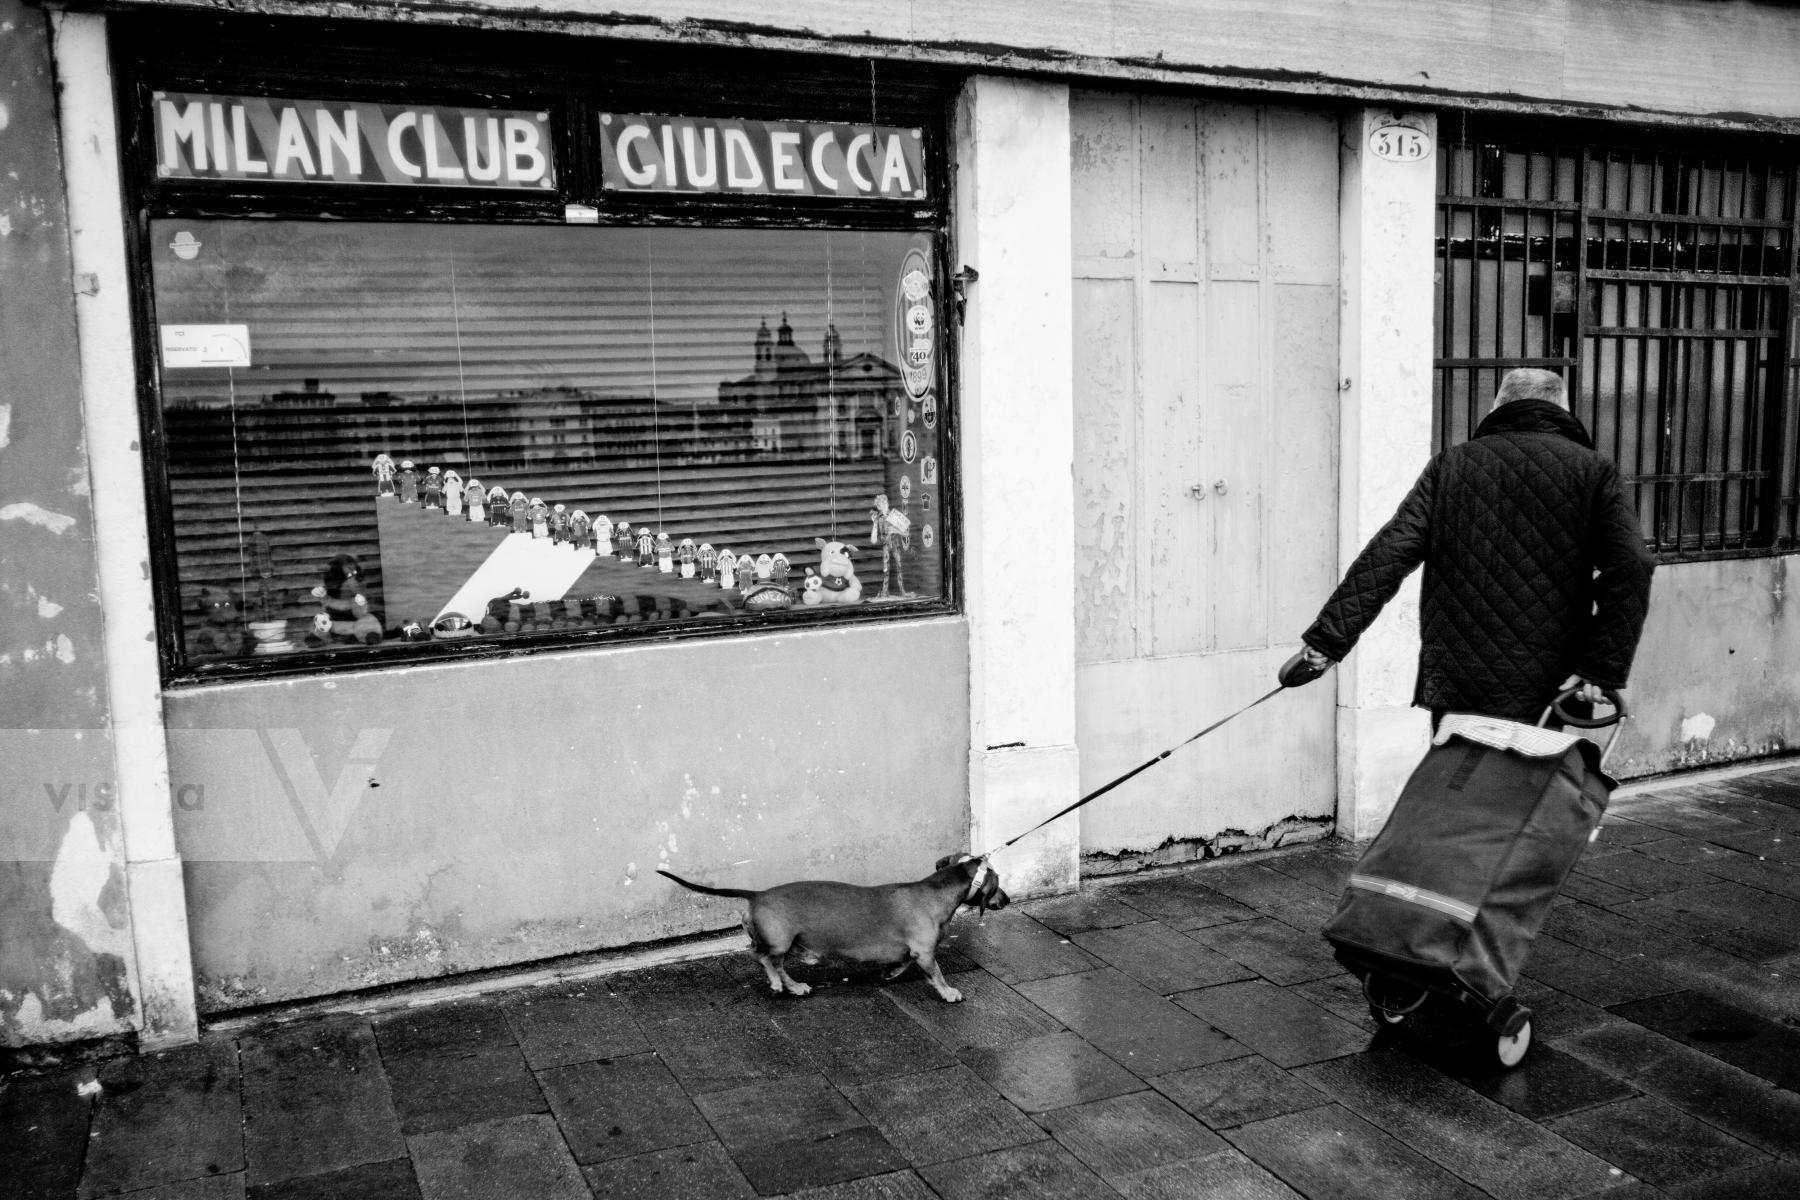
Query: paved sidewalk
<point x="1178" y="1034"/>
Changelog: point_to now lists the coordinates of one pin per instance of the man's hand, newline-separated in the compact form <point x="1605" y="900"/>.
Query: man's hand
<point x="1584" y="690"/>
<point x="1303" y="668"/>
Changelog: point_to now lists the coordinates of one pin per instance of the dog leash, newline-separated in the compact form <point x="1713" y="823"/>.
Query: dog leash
<point x="1101" y="791"/>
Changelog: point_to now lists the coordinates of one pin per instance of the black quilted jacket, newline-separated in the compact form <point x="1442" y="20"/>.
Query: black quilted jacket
<point x="1535" y="568"/>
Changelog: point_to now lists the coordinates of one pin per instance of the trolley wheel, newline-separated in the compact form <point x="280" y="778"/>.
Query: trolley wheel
<point x="1392" y="1003"/>
<point x="1510" y="1051"/>
<point x="1385" y="1018"/>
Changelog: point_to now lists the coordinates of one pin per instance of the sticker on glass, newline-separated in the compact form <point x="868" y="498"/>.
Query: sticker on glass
<point x="928" y="537"/>
<point x="928" y="411"/>
<point x="205" y="345"/>
<point x="905" y="488"/>
<point x="915" y="328"/>
<point x="909" y="446"/>
<point x="928" y="471"/>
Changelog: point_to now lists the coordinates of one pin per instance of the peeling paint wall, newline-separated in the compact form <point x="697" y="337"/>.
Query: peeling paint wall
<point x="1717" y="676"/>
<point x="1684" y="57"/>
<point x="65" y="936"/>
<point x="348" y="831"/>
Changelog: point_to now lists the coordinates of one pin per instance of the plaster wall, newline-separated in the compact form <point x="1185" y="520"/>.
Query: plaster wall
<point x="65" y="931"/>
<point x="1017" y="411"/>
<point x="1717" y="675"/>
<point x="1386" y="219"/>
<point x="1677" y="59"/>
<point x="346" y="831"/>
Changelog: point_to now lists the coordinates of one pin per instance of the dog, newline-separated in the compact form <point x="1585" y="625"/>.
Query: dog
<point x="895" y="924"/>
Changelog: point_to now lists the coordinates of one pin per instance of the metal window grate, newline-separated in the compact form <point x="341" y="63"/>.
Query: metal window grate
<point x="1660" y="283"/>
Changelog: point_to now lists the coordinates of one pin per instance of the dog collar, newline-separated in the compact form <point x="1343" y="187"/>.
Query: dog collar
<point x="981" y="871"/>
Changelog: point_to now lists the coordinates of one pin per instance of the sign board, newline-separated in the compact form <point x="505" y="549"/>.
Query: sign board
<point x="201" y="136"/>
<point x="205" y="345"/>
<point x="1400" y="143"/>
<point x="640" y="153"/>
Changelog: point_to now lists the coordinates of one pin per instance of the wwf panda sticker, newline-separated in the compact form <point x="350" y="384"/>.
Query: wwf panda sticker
<point x="915" y="324"/>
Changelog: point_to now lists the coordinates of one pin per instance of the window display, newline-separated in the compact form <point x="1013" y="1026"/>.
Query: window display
<point x="378" y="433"/>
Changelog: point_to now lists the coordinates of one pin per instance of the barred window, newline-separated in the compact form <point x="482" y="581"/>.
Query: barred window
<point x="1659" y="281"/>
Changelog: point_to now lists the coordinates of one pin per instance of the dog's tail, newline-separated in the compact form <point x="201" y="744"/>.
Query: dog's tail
<point x="735" y="893"/>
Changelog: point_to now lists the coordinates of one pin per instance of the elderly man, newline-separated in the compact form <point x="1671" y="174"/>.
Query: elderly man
<point x="1536" y="575"/>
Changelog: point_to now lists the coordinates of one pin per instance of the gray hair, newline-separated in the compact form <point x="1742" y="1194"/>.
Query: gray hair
<point x="1532" y="383"/>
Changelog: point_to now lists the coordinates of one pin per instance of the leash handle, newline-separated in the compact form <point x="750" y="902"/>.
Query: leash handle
<point x="1140" y="768"/>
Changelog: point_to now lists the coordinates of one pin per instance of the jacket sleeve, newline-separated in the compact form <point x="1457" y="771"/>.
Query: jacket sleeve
<point x="1622" y="570"/>
<point x="1391" y="555"/>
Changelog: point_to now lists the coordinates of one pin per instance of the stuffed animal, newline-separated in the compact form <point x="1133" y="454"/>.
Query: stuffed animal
<point x="811" y="588"/>
<point x="344" y="614"/>
<point x="222" y="633"/>
<point x="838" y="581"/>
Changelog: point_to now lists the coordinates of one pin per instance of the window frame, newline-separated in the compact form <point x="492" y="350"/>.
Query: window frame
<point x="1568" y="351"/>
<point x="574" y="79"/>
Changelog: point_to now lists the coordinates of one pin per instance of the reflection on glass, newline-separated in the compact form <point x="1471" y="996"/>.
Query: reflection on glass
<point x="449" y="432"/>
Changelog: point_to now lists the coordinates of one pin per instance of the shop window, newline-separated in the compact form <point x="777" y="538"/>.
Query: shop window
<point x="535" y="420"/>
<point x="1658" y="280"/>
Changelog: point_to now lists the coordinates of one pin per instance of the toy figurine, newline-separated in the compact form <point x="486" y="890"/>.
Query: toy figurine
<point x="521" y="513"/>
<point x="890" y="529"/>
<point x="453" y="493"/>
<point x="706" y="563"/>
<point x="578" y="530"/>
<point x="603" y="537"/>
<point x="475" y="503"/>
<point x="746" y="572"/>
<point x="345" y="614"/>
<point x="838" y="581"/>
<point x="779" y="570"/>
<point x="434" y="489"/>
<point x="540" y="518"/>
<point x="559" y="525"/>
<point x="665" y="553"/>
<point x="499" y="509"/>
<point x="685" y="554"/>
<point x="646" y="547"/>
<point x="727" y="568"/>
<point x="626" y="544"/>
<point x="409" y="483"/>
<point x="383" y="469"/>
<point x="764" y="591"/>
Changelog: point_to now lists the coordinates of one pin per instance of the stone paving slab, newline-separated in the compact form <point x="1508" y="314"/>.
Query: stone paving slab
<point x="316" y="1099"/>
<point x="165" y="1118"/>
<point x="1181" y="1032"/>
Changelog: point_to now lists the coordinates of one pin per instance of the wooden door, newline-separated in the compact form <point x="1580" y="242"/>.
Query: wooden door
<point x="1206" y="326"/>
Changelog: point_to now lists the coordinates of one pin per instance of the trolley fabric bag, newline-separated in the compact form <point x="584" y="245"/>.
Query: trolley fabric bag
<point x="1450" y="895"/>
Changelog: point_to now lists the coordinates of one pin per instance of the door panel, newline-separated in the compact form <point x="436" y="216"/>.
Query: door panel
<point x="1206" y="478"/>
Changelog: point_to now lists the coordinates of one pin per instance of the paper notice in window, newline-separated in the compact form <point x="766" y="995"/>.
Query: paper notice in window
<point x="205" y="345"/>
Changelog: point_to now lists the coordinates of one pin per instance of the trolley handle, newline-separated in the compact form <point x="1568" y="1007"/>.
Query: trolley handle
<point x="1619" y="711"/>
